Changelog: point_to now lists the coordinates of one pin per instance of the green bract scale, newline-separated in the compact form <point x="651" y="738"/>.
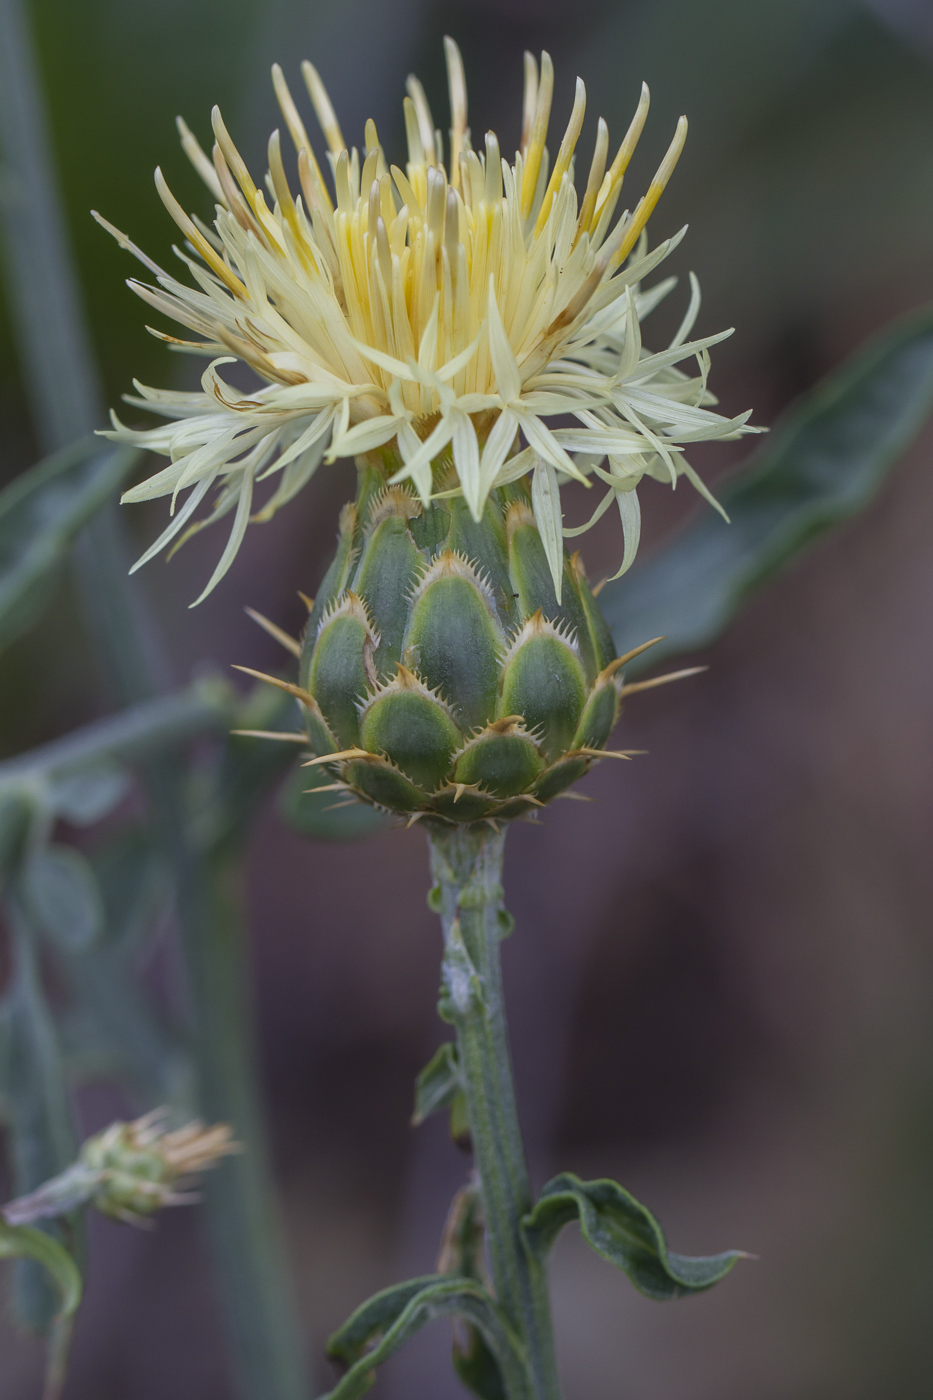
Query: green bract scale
<point x="439" y="674"/>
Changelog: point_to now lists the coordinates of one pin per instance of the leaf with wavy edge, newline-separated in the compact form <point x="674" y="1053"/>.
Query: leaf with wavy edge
<point x="389" y="1318"/>
<point x="624" y="1233"/>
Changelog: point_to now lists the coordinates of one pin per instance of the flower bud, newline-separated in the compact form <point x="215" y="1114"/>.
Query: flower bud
<point x="128" y="1171"/>
<point x="140" y="1168"/>
<point x="442" y="678"/>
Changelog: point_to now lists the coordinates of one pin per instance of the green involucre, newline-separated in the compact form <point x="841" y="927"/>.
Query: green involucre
<point x="440" y="670"/>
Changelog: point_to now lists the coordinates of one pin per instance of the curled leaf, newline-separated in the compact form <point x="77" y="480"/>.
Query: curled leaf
<point x="624" y="1233"/>
<point x="27" y="1242"/>
<point x="383" y="1324"/>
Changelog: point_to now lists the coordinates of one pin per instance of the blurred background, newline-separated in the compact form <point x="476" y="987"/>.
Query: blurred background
<point x="720" y="981"/>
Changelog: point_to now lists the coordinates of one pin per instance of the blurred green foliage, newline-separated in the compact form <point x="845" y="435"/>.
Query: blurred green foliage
<point x="806" y="182"/>
<point x="824" y="462"/>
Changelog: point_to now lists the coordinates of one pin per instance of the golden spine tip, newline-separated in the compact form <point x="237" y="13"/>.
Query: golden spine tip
<point x="661" y="680"/>
<point x="340" y="757"/>
<point x="296" y="690"/>
<point x="274" y="631"/>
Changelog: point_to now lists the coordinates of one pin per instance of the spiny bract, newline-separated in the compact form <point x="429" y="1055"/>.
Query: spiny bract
<point x="440" y="676"/>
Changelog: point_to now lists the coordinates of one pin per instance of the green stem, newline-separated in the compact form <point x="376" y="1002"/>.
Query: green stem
<point x="42" y="1131"/>
<point x="467" y="866"/>
<point x="134" y="735"/>
<point x="57" y="356"/>
<point x="64" y="392"/>
<point x="242" y="1220"/>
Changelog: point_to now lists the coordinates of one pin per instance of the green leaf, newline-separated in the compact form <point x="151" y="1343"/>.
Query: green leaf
<point x="823" y="463"/>
<point x="27" y="1242"/>
<point x="41" y="512"/>
<point x="373" y="1317"/>
<point x="322" y="816"/>
<point x="133" y="735"/>
<point x="463" y="1255"/>
<point x="438" y="1083"/>
<point x="251" y="766"/>
<point x="386" y="1321"/>
<point x="5" y="1054"/>
<point x="478" y="1368"/>
<point x="112" y="1027"/>
<point x="84" y="797"/>
<point x="134" y="884"/>
<point x="62" y="897"/>
<point x="624" y="1233"/>
<point x="41" y="1138"/>
<point x="15" y="811"/>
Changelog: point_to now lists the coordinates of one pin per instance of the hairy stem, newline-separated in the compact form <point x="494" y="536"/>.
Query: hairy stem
<point x="467" y="868"/>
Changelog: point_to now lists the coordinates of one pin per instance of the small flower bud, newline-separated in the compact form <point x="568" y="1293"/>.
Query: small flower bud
<point x="140" y="1167"/>
<point x="128" y="1171"/>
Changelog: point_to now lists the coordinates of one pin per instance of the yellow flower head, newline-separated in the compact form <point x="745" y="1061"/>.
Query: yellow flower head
<point x="440" y="313"/>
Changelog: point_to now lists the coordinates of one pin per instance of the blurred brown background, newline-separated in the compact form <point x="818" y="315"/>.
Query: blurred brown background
<point x="720" y="980"/>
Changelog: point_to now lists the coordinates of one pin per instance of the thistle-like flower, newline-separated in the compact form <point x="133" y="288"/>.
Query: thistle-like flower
<point x="128" y="1171"/>
<point x="430" y="317"/>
